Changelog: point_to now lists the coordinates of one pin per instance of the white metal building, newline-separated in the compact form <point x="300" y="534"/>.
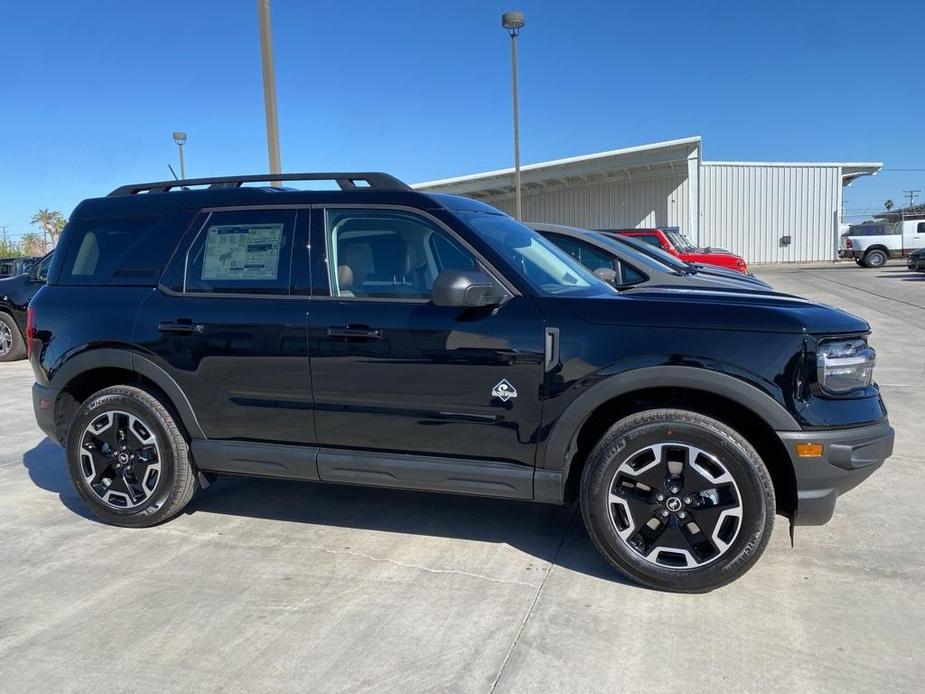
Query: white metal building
<point x="765" y="211"/>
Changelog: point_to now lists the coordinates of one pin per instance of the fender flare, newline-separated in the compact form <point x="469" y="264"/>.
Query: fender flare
<point x="560" y="445"/>
<point x="105" y="357"/>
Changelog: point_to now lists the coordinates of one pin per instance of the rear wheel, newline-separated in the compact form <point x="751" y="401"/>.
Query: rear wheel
<point x="677" y="500"/>
<point x="875" y="258"/>
<point x="128" y="459"/>
<point x="12" y="345"/>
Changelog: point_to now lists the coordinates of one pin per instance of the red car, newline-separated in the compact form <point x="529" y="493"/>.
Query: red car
<point x="677" y="244"/>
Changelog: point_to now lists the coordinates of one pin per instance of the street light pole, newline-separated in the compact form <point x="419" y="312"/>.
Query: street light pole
<point x="269" y="85"/>
<point x="180" y="139"/>
<point x="514" y="22"/>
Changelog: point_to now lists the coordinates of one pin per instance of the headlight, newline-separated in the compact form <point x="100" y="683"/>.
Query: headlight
<point x="845" y="365"/>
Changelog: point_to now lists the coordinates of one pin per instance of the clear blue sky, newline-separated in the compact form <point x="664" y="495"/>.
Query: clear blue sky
<point x="90" y="91"/>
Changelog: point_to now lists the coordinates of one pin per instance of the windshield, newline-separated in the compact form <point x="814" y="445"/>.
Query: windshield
<point x="548" y="270"/>
<point x="679" y="241"/>
<point x="661" y="255"/>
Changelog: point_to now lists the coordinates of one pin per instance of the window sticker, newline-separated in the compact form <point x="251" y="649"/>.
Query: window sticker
<point x="242" y="252"/>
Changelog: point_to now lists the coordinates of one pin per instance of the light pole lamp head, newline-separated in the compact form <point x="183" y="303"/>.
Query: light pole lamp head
<point x="179" y="137"/>
<point x="513" y="21"/>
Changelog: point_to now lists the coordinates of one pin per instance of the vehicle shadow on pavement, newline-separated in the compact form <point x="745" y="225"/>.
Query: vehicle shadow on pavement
<point x="47" y="470"/>
<point x="904" y="275"/>
<point x="549" y="533"/>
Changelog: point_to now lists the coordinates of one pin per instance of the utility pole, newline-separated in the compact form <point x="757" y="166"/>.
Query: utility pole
<point x="911" y="194"/>
<point x="269" y="86"/>
<point x="180" y="138"/>
<point x="513" y="22"/>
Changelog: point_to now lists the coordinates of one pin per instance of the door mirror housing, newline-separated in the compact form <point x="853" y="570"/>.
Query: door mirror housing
<point x="465" y="289"/>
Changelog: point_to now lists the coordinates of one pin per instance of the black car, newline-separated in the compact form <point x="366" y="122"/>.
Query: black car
<point x="11" y="267"/>
<point x="916" y="260"/>
<point x="15" y="294"/>
<point x="380" y="336"/>
<point x="628" y="268"/>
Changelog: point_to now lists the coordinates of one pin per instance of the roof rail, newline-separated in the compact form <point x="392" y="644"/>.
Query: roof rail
<point x="345" y="179"/>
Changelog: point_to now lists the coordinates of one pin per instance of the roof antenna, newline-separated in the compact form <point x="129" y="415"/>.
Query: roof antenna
<point x="176" y="178"/>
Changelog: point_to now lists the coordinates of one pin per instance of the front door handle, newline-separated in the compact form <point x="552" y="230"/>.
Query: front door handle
<point x="182" y="326"/>
<point x="353" y="332"/>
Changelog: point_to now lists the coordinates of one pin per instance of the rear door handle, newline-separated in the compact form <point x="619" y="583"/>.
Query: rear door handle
<point x="182" y="326"/>
<point x="361" y="332"/>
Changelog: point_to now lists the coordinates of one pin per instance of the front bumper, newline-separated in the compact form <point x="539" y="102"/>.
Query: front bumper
<point x="43" y="404"/>
<point x="849" y="457"/>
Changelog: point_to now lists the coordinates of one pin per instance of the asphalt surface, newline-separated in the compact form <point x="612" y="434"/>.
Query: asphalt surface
<point x="272" y="586"/>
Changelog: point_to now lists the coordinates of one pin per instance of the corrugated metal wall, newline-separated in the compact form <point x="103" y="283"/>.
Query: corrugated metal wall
<point x="660" y="201"/>
<point x="748" y="207"/>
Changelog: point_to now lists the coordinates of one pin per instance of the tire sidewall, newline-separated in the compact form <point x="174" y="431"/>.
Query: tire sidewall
<point x="17" y="347"/>
<point x="167" y="482"/>
<point x="745" y="468"/>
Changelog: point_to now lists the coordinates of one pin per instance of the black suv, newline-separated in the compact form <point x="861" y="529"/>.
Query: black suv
<point x="15" y="295"/>
<point x="381" y="336"/>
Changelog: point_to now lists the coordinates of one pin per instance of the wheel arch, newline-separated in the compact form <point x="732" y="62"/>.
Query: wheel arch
<point x="748" y="410"/>
<point x="91" y="371"/>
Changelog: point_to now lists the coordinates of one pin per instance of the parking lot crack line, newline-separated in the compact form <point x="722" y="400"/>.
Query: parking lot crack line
<point x="533" y="603"/>
<point x="427" y="568"/>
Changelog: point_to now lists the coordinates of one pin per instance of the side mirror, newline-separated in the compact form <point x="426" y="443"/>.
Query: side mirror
<point x="464" y="289"/>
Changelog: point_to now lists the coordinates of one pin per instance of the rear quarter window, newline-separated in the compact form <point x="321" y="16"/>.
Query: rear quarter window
<point x="129" y="251"/>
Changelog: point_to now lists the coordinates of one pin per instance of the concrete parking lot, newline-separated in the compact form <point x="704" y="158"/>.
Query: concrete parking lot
<point x="272" y="586"/>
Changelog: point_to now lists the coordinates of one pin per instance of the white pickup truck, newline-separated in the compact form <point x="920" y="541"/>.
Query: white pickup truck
<point x="871" y="245"/>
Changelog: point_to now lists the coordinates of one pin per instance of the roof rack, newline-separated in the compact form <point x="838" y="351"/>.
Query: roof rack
<point x="347" y="180"/>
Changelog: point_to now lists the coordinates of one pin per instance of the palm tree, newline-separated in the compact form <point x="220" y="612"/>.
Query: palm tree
<point x="51" y="222"/>
<point x="888" y="205"/>
<point x="33" y="243"/>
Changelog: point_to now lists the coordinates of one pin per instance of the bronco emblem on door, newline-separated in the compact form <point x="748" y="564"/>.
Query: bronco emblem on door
<point x="504" y="391"/>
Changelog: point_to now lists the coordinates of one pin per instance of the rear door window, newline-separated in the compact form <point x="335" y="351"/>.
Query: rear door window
<point x="241" y="252"/>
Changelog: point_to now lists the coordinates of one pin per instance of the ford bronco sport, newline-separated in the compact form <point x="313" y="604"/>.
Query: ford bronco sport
<point x="381" y="336"/>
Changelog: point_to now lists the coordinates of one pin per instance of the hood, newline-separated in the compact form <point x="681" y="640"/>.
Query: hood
<point x="719" y="271"/>
<point x="717" y="310"/>
<point x="706" y="282"/>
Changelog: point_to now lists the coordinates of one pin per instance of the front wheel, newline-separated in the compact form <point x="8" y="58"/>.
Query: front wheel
<point x="677" y="501"/>
<point x="128" y="459"/>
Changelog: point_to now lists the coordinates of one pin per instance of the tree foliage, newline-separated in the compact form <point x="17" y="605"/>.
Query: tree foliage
<point x="51" y="222"/>
<point x="32" y="244"/>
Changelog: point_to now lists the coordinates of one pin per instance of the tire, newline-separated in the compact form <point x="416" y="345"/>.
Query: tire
<point x="710" y="497"/>
<point x="859" y="261"/>
<point x="151" y="487"/>
<point x="875" y="258"/>
<point x="12" y="344"/>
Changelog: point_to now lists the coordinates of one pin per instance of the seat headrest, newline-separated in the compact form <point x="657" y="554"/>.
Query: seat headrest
<point x="344" y="277"/>
<point x="412" y="260"/>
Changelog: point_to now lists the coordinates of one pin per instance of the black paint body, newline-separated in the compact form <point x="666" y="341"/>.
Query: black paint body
<point x="266" y="385"/>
